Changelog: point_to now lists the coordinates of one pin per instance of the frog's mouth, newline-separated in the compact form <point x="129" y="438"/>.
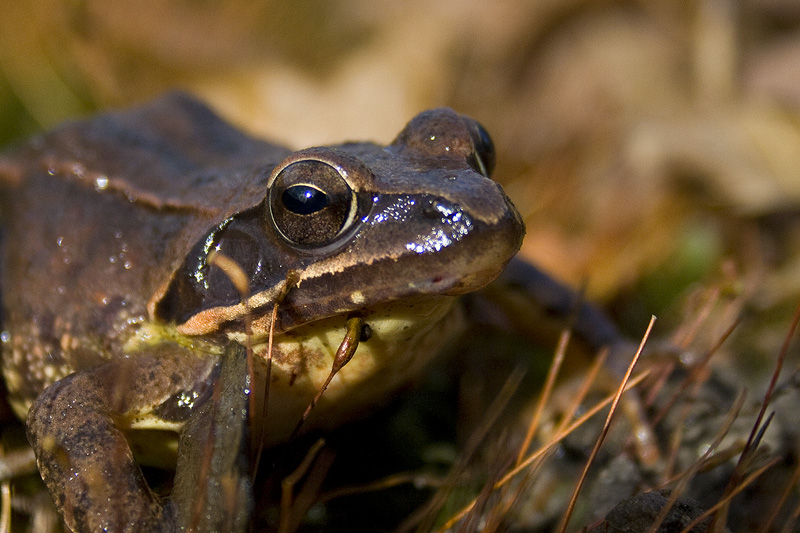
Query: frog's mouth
<point x="363" y="286"/>
<point x="428" y="247"/>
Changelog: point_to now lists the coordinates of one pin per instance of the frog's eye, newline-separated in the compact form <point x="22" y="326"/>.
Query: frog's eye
<point x="310" y="203"/>
<point x="483" y="157"/>
<point x="304" y="199"/>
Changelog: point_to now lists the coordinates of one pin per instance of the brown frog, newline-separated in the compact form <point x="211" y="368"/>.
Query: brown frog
<point x="116" y="315"/>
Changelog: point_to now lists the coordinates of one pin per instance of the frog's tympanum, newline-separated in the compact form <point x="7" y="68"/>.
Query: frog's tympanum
<point x="116" y="315"/>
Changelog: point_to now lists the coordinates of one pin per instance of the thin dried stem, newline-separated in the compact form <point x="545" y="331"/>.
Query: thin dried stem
<point x="343" y="355"/>
<point x="288" y="483"/>
<point x="606" y="426"/>
<point x="686" y="334"/>
<point x="752" y="440"/>
<point x="686" y="476"/>
<point x="726" y="500"/>
<point x="476" y="438"/>
<point x="558" y="437"/>
<point x="547" y="390"/>
<point x="418" y="479"/>
<point x="767" y="524"/>
<point x="693" y="376"/>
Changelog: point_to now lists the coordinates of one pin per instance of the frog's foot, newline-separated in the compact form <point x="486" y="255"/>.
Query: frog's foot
<point x="76" y="430"/>
<point x="86" y="462"/>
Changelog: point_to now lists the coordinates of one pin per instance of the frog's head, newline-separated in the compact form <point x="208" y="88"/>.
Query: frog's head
<point x="354" y="226"/>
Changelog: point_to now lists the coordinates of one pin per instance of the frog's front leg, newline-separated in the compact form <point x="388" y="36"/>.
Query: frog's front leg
<point x="76" y="429"/>
<point x="212" y="490"/>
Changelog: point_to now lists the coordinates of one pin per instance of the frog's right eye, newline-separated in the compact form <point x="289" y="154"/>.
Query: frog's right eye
<point x="310" y="203"/>
<point x="483" y="157"/>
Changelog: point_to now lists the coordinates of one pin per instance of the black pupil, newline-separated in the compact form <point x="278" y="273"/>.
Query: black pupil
<point x="304" y="199"/>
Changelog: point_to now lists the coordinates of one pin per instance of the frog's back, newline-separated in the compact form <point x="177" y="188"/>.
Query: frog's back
<point x="98" y="215"/>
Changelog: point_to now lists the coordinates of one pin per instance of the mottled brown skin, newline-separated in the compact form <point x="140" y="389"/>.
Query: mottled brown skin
<point x="81" y="264"/>
<point x="114" y="316"/>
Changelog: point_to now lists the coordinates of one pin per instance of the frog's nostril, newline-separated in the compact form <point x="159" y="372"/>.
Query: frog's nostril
<point x="430" y="211"/>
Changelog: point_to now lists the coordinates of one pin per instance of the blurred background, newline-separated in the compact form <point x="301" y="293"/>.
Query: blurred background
<point x="647" y="143"/>
<point x="653" y="146"/>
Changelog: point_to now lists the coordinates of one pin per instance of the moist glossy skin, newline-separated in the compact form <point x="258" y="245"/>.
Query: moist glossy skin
<point x="115" y="319"/>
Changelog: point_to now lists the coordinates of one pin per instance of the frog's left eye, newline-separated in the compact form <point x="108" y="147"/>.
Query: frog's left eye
<point x="483" y="157"/>
<point x="310" y="203"/>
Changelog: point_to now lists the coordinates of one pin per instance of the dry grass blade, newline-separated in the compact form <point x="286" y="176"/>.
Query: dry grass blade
<point x="736" y="490"/>
<point x="695" y="380"/>
<point x="781" y="502"/>
<point x="758" y="429"/>
<point x="547" y="390"/>
<point x="558" y="437"/>
<point x="606" y="426"/>
<point x="267" y="380"/>
<point x="423" y="519"/>
<point x="686" y="476"/>
<point x="583" y="392"/>
<point x="290" y="514"/>
<point x="569" y="429"/>
<point x="686" y="333"/>
<point x="403" y="478"/>
<point x="694" y="376"/>
<point x="290" y="281"/>
<point x="569" y="413"/>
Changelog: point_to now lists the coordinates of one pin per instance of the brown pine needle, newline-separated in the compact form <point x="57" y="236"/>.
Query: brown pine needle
<point x="693" y="376"/>
<point x="569" y="413"/>
<point x="552" y="374"/>
<point x="606" y="426"/>
<point x="418" y="479"/>
<point x="267" y="380"/>
<point x="686" y="476"/>
<point x="478" y="436"/>
<point x="558" y="437"/>
<point x="767" y="525"/>
<point x="727" y="499"/>
<point x="563" y="434"/>
<point x="757" y="425"/>
<point x="583" y="392"/>
<point x="289" y="482"/>
<point x="686" y="334"/>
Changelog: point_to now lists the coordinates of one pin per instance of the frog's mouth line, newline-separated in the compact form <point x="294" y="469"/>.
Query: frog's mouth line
<point x="383" y="282"/>
<point x="422" y="310"/>
<point x="346" y="282"/>
<point x="359" y="287"/>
